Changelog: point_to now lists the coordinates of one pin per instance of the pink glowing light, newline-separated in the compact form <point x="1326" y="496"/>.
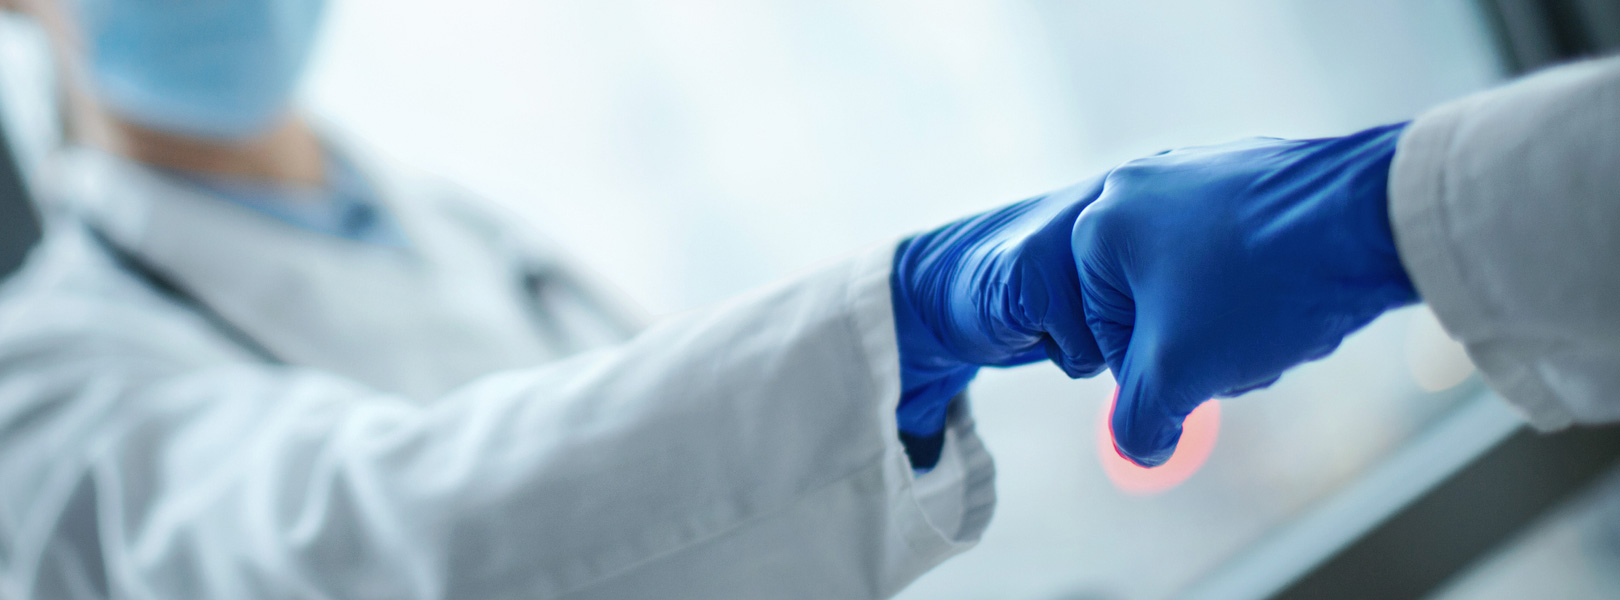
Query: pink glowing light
<point x="1198" y="435"/>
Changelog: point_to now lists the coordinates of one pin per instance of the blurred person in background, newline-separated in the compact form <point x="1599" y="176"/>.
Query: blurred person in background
<point x="247" y="361"/>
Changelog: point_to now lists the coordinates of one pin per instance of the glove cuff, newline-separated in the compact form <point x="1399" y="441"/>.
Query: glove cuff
<point x="930" y="376"/>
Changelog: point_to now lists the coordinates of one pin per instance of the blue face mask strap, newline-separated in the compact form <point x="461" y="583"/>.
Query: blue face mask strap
<point x="169" y="288"/>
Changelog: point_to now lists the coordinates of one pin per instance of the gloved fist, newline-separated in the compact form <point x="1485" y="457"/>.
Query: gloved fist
<point x="995" y="289"/>
<point x="1209" y="271"/>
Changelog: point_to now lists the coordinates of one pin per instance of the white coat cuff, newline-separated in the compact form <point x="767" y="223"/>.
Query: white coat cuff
<point x="945" y="511"/>
<point x="1421" y="212"/>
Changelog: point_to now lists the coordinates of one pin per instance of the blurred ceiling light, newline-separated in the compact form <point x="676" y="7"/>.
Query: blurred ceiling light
<point x="1436" y="362"/>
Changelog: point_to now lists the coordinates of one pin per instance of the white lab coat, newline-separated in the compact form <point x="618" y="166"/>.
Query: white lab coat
<point x="1506" y="211"/>
<point x="433" y="435"/>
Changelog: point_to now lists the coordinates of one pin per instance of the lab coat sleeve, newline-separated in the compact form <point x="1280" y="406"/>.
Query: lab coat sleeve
<point x="1506" y="211"/>
<point x="745" y="451"/>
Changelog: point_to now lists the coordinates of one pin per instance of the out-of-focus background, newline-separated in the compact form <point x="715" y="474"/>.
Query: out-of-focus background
<point x="692" y="150"/>
<point x="689" y="151"/>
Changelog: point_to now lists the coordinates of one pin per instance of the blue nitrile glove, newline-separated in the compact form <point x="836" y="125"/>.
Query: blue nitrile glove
<point x="1209" y="271"/>
<point x="995" y="289"/>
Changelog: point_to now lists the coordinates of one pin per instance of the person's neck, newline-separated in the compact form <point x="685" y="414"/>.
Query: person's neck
<point x="291" y="153"/>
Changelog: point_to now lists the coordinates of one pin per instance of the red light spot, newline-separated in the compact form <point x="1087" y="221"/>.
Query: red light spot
<point x="1198" y="434"/>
